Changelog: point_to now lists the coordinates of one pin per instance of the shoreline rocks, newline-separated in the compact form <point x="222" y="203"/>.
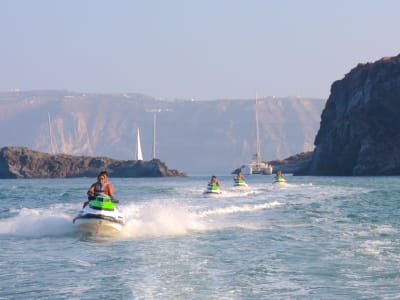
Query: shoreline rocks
<point x="22" y="162"/>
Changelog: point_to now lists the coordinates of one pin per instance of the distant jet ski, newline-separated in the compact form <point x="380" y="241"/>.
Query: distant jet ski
<point x="212" y="189"/>
<point x="239" y="182"/>
<point x="280" y="181"/>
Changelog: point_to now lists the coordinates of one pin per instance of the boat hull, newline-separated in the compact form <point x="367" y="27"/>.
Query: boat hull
<point x="280" y="183"/>
<point x="99" y="226"/>
<point x="258" y="168"/>
<point x="97" y="221"/>
<point x="240" y="184"/>
<point x="212" y="192"/>
<point x="215" y="192"/>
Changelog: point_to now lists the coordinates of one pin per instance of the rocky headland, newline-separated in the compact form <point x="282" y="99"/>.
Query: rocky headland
<point x="21" y="162"/>
<point x="359" y="132"/>
<point x="293" y="163"/>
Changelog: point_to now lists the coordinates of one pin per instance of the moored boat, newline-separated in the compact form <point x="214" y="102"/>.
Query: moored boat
<point x="100" y="216"/>
<point x="257" y="165"/>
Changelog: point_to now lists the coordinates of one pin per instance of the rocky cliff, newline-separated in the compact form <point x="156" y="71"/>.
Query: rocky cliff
<point x="21" y="162"/>
<point x="360" y="124"/>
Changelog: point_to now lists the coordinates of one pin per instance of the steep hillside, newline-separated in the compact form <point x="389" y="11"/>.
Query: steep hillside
<point x="192" y="136"/>
<point x="360" y="127"/>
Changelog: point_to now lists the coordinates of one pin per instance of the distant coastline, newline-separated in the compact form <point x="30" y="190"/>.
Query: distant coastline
<point x="194" y="136"/>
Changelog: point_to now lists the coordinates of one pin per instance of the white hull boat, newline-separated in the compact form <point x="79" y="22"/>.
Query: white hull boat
<point x="255" y="167"/>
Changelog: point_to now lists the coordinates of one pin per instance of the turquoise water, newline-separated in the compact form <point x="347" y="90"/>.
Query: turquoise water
<point x="318" y="238"/>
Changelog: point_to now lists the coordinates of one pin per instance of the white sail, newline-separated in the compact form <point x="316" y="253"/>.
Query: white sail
<point x="139" y="154"/>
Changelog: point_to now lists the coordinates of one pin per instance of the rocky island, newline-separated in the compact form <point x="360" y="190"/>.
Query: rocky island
<point x="21" y="162"/>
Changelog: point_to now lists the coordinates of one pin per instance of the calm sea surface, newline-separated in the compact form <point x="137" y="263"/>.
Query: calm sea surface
<point x="318" y="238"/>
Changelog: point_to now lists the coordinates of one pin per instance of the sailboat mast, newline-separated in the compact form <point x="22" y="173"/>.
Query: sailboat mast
<point x="258" y="135"/>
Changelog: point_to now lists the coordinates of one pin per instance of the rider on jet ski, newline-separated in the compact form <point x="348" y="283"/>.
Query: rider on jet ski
<point x="101" y="186"/>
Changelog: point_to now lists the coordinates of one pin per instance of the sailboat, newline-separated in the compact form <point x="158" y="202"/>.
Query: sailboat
<point x="139" y="154"/>
<point x="257" y="166"/>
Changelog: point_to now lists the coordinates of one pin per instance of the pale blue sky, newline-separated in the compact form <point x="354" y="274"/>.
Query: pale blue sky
<point x="205" y="49"/>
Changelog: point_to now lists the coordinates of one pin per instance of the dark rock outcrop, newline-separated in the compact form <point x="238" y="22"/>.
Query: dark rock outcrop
<point x="293" y="163"/>
<point x="360" y="125"/>
<point x="21" y="162"/>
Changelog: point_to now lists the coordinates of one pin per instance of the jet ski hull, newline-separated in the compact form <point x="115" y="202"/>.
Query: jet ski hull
<point x="280" y="183"/>
<point x="99" y="221"/>
<point x="98" y="225"/>
<point x="210" y="192"/>
<point x="240" y="184"/>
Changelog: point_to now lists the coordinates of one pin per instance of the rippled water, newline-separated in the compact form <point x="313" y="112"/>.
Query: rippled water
<point x="318" y="238"/>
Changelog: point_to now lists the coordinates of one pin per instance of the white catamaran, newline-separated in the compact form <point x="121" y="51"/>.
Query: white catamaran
<point x="256" y="166"/>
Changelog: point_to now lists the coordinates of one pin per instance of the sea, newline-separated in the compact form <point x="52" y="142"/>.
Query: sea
<point x="316" y="238"/>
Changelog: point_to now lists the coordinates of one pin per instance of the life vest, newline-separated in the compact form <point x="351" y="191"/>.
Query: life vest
<point x="212" y="183"/>
<point x="98" y="189"/>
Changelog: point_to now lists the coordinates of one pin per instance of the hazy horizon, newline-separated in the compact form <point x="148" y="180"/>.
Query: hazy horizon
<point x="194" y="50"/>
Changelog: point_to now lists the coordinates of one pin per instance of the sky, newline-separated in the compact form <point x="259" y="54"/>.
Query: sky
<point x="192" y="49"/>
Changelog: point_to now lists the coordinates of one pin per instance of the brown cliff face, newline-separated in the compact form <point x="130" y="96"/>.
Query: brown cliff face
<point x="21" y="162"/>
<point x="360" y="125"/>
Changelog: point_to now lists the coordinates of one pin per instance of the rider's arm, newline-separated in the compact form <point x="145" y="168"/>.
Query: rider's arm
<point x="90" y="192"/>
<point x="110" y="190"/>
